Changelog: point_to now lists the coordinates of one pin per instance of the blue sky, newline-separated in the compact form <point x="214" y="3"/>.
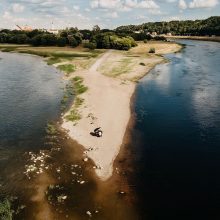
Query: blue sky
<point x="106" y="13"/>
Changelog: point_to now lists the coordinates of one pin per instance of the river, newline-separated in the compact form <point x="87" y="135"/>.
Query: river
<point x="172" y="162"/>
<point x="176" y="137"/>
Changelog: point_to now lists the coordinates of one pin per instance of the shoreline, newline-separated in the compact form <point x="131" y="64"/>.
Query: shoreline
<point x="200" y="38"/>
<point x="107" y="148"/>
<point x="111" y="79"/>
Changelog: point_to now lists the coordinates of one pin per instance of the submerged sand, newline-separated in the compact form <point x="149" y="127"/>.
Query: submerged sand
<point x="106" y="105"/>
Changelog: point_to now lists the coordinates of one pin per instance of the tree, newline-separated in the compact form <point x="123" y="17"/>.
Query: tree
<point x="72" y="41"/>
<point x="61" y="41"/>
<point x="96" y="29"/>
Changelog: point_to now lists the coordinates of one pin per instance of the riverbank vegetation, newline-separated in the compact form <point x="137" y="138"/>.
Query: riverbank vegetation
<point x="78" y="88"/>
<point x="5" y="210"/>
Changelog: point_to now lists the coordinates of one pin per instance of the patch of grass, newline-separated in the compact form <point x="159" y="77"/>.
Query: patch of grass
<point x="69" y="55"/>
<point x="78" y="102"/>
<point x="73" y="115"/>
<point x="34" y="52"/>
<point x="67" y="68"/>
<point x="8" y="49"/>
<point x="79" y="88"/>
<point x="51" y="129"/>
<point x="5" y="210"/>
<point x="122" y="68"/>
<point x="53" y="60"/>
<point x="152" y="50"/>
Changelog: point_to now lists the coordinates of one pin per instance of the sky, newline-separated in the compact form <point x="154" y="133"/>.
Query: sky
<point x="105" y="13"/>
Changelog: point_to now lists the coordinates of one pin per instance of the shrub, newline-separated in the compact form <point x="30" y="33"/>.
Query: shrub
<point x="67" y="68"/>
<point x="5" y="210"/>
<point x="145" y="41"/>
<point x="72" y="41"/>
<point x="152" y="50"/>
<point x="90" y="45"/>
<point x="61" y="41"/>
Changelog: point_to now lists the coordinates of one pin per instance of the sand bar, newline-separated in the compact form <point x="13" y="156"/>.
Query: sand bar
<point x="107" y="105"/>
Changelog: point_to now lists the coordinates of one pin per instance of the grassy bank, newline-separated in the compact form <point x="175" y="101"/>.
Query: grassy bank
<point x="214" y="39"/>
<point x="135" y="63"/>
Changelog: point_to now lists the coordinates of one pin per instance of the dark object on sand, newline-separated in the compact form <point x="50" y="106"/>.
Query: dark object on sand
<point x="97" y="132"/>
<point x="97" y="129"/>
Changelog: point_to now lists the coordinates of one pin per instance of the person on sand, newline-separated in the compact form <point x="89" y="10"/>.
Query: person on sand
<point x="98" y="132"/>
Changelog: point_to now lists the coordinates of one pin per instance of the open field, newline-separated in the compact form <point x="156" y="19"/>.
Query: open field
<point x="135" y="63"/>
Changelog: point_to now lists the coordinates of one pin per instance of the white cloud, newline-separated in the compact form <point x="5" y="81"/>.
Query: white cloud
<point x="203" y="3"/>
<point x="76" y="7"/>
<point x="7" y="15"/>
<point x="123" y="5"/>
<point x="112" y="15"/>
<point x="17" y="8"/>
<point x="105" y="3"/>
<point x="149" y="4"/>
<point x="182" y="4"/>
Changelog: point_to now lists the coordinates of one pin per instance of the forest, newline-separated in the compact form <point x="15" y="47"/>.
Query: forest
<point x="210" y="26"/>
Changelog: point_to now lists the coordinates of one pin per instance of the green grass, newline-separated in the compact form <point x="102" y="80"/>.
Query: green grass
<point x="5" y="210"/>
<point x="53" y="60"/>
<point x="67" y="68"/>
<point x="78" y="88"/>
<point x="34" y="52"/>
<point x="9" y="49"/>
<point x="122" y="68"/>
<point x="73" y="115"/>
<point x="78" y="102"/>
<point x="51" y="129"/>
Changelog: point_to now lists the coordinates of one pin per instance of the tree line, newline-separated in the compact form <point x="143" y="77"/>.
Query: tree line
<point x="210" y="26"/>
<point x="122" y="38"/>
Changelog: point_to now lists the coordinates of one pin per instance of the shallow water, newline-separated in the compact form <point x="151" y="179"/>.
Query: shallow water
<point x="176" y="139"/>
<point x="30" y="96"/>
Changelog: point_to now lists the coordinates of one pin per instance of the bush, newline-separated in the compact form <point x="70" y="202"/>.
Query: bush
<point x="90" y="45"/>
<point x="152" y="50"/>
<point x="5" y="210"/>
<point x="161" y="38"/>
<point x="61" y="41"/>
<point x="72" y="41"/>
<point x="145" y="41"/>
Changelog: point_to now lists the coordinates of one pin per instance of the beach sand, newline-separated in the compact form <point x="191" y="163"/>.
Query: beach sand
<point x="107" y="105"/>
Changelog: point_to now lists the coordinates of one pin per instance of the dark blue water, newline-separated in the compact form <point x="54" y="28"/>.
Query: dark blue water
<point x="177" y="136"/>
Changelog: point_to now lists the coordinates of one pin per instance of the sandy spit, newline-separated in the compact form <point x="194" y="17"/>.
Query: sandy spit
<point x="107" y="105"/>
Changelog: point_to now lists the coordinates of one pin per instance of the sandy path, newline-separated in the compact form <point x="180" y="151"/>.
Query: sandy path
<point x="108" y="102"/>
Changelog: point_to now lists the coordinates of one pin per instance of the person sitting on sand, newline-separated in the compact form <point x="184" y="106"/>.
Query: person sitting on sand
<point x="98" y="132"/>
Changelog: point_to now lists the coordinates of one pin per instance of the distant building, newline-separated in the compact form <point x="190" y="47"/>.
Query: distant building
<point x="53" y="31"/>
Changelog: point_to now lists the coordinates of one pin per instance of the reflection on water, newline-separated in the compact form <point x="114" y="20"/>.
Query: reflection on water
<point x="177" y="139"/>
